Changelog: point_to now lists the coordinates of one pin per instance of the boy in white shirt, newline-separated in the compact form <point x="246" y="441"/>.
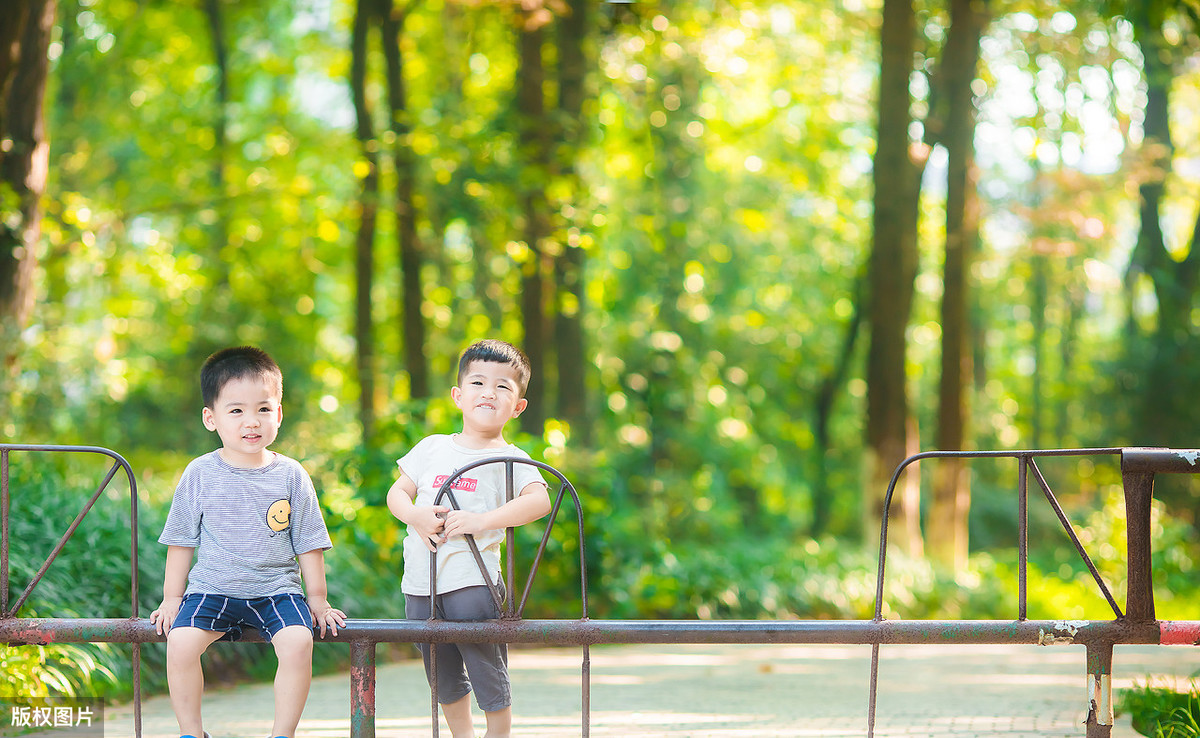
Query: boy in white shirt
<point x="492" y="378"/>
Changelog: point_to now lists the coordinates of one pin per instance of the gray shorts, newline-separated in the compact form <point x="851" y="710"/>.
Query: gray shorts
<point x="462" y="667"/>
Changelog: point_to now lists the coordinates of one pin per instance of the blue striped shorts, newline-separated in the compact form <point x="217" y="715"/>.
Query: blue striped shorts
<point x="228" y="614"/>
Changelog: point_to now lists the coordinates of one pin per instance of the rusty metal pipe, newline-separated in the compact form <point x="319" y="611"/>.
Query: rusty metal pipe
<point x="41" y="631"/>
<point x="4" y="531"/>
<point x="362" y="689"/>
<point x="1100" y="697"/>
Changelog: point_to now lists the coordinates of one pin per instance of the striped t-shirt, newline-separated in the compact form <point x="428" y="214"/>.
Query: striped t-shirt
<point x="247" y="526"/>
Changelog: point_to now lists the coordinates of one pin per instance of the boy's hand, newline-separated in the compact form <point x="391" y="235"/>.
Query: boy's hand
<point x="325" y="615"/>
<point x="165" y="614"/>
<point x="429" y="522"/>
<point x="462" y="523"/>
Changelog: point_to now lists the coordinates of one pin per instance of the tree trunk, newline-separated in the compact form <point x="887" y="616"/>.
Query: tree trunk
<point x="368" y="203"/>
<point x="219" y="235"/>
<point x="1176" y="343"/>
<point x="408" y="242"/>
<point x="569" y="264"/>
<point x="531" y="112"/>
<point x="24" y="161"/>
<point x="893" y="266"/>
<point x="12" y="31"/>
<point x="951" y="501"/>
<point x="1039" y="292"/>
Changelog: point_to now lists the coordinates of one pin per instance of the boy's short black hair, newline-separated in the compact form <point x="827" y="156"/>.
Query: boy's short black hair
<point x="500" y="352"/>
<point x="238" y="362"/>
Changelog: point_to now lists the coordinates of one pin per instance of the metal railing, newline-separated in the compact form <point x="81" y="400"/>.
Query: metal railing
<point x="1136" y="625"/>
<point x="510" y="611"/>
<point x="8" y="614"/>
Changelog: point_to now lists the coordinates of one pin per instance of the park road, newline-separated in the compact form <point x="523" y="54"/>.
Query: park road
<point x="722" y="691"/>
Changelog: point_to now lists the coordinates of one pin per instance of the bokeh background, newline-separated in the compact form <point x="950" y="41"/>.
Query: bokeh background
<point x="758" y="251"/>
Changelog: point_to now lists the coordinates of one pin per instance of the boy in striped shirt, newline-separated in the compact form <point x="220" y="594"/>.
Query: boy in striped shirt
<point x="251" y="517"/>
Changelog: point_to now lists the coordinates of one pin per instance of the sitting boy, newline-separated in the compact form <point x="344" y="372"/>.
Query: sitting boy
<point x="249" y="513"/>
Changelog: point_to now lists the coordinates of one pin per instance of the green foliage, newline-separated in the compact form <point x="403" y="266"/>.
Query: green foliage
<point x="90" y="578"/>
<point x="52" y="673"/>
<point x="1161" y="712"/>
<point x="724" y="212"/>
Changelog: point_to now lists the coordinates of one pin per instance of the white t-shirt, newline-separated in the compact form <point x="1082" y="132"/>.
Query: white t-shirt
<point x="248" y="526"/>
<point x="429" y="464"/>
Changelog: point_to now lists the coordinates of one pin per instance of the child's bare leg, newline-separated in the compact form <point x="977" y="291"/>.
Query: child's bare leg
<point x="293" y="647"/>
<point x="185" y="678"/>
<point x="458" y="717"/>
<point x="499" y="723"/>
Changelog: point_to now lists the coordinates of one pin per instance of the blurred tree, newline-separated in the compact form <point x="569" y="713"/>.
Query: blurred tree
<point x="220" y="226"/>
<point x="25" y="34"/>
<point x="573" y="45"/>
<point x="954" y="128"/>
<point x="899" y="163"/>
<point x="534" y="151"/>
<point x="365" y="17"/>
<point x="1166" y="33"/>
<point x="409" y="247"/>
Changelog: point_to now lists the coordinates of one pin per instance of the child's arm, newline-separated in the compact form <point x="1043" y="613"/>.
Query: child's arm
<point x="426" y="520"/>
<point x="531" y="504"/>
<point x="312" y="568"/>
<point x="179" y="562"/>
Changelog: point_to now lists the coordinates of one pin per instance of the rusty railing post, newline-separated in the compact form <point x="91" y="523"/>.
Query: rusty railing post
<point x="1100" y="710"/>
<point x="4" y="532"/>
<point x="1138" y="482"/>
<point x="362" y="689"/>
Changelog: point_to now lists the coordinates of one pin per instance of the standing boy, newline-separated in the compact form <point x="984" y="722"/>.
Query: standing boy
<point x="249" y="513"/>
<point x="492" y="378"/>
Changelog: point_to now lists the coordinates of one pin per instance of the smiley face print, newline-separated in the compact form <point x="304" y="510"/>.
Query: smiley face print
<point x="279" y="515"/>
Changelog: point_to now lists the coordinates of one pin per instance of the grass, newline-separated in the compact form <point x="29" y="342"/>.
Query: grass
<point x="1162" y="712"/>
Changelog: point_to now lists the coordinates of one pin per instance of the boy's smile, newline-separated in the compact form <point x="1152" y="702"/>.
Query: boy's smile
<point x="489" y="397"/>
<point x="246" y="415"/>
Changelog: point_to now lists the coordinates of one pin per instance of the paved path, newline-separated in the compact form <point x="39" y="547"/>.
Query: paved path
<point x="723" y="691"/>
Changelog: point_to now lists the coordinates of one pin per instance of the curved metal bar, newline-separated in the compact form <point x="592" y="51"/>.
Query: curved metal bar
<point x="1023" y="458"/>
<point x="511" y="612"/>
<point x="564" y="484"/>
<point x="1070" y="530"/>
<point x="887" y="500"/>
<point x="119" y="463"/>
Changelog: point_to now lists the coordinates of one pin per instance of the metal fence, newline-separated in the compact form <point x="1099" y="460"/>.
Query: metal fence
<point x="1135" y="625"/>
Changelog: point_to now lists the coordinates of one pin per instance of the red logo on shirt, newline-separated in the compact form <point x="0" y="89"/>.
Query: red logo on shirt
<point x="462" y="483"/>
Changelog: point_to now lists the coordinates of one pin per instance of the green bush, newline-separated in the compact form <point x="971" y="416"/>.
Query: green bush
<point x="90" y="578"/>
<point x="1161" y="712"/>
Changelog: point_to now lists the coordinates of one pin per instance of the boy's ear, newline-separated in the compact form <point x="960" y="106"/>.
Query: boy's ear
<point x="207" y="416"/>
<point x="456" y="396"/>
<point x="520" y="407"/>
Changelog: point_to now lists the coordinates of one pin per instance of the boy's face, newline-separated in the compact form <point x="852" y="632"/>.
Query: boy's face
<point x="489" y="397"/>
<point x="246" y="415"/>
